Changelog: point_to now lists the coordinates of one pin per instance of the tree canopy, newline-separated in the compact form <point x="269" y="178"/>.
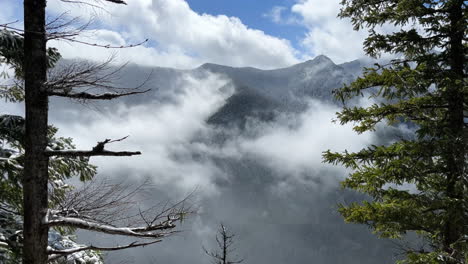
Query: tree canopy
<point x="425" y="89"/>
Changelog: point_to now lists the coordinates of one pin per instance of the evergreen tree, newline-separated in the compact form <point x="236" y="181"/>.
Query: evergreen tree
<point x="427" y="89"/>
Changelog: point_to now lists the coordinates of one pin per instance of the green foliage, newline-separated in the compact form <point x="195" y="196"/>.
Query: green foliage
<point x="60" y="168"/>
<point x="11" y="166"/>
<point x="426" y="91"/>
<point x="11" y="53"/>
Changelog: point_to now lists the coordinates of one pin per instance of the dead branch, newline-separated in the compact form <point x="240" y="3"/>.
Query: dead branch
<point x="224" y="241"/>
<point x="106" y="202"/>
<point x="100" y="145"/>
<point x="5" y="25"/>
<point x="102" y="206"/>
<point x="66" y="32"/>
<point x="88" y="2"/>
<point x="68" y="29"/>
<point x="107" y="46"/>
<point x="82" y="74"/>
<point x="89" y="96"/>
<point x="97" y="150"/>
<point x="64" y="27"/>
<point x="152" y="231"/>
<point x="90" y="153"/>
<point x="116" y="1"/>
<point x="84" y="80"/>
<point x="55" y="254"/>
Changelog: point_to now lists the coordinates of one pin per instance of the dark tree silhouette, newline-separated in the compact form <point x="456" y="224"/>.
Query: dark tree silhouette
<point x="223" y="253"/>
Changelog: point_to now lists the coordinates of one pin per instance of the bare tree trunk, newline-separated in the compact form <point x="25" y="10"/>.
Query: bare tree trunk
<point x="36" y="162"/>
<point x="225" y="244"/>
<point x="454" y="229"/>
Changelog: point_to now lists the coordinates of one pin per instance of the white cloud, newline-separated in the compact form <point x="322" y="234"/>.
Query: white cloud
<point x="276" y="14"/>
<point x="282" y="15"/>
<point x="334" y="37"/>
<point x="190" y="37"/>
<point x="178" y="148"/>
<point x="142" y="55"/>
<point x="327" y="34"/>
<point x="294" y="146"/>
<point x="161" y="131"/>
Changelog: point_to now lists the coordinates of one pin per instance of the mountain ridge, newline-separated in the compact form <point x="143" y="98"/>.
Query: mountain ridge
<point x="263" y="92"/>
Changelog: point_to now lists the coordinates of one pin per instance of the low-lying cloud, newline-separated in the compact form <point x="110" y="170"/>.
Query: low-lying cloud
<point x="267" y="183"/>
<point x="178" y="147"/>
<point x="163" y="132"/>
<point x="293" y="146"/>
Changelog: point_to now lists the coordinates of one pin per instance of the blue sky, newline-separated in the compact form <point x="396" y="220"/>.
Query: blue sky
<point x="253" y="14"/>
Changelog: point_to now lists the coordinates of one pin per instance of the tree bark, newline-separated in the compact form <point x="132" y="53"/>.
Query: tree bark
<point x="455" y="156"/>
<point x="35" y="176"/>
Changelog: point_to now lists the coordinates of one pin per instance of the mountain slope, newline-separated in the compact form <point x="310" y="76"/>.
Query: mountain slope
<point x="264" y="92"/>
<point x="258" y="93"/>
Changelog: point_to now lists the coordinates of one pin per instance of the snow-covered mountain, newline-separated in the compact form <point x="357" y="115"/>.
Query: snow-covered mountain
<point x="258" y="93"/>
<point x="315" y="78"/>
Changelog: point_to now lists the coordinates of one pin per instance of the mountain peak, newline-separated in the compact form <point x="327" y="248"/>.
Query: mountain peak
<point x="322" y="59"/>
<point x="212" y="65"/>
<point x="319" y="61"/>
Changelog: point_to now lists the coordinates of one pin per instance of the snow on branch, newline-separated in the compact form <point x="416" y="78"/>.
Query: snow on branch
<point x="55" y="254"/>
<point x="3" y="243"/>
<point x="97" y="150"/>
<point x="152" y="231"/>
<point x="110" y="208"/>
